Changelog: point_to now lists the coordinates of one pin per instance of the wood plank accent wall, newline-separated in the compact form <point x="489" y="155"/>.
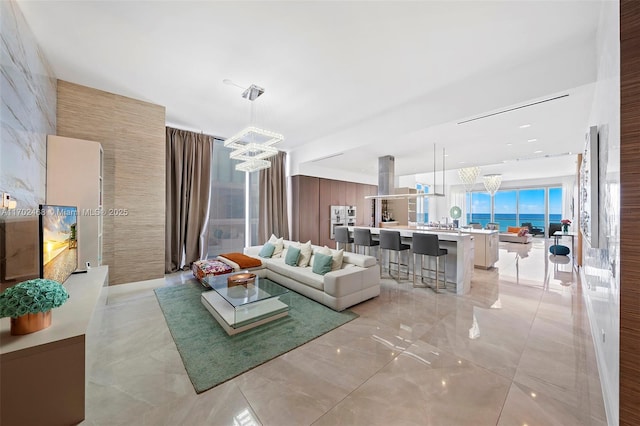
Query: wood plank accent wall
<point x="132" y="134"/>
<point x="311" y="201"/>
<point x="629" y="212"/>
<point x="326" y="199"/>
<point x="304" y="192"/>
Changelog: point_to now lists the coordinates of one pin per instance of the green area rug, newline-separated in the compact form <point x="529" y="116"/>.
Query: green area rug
<point x="211" y="356"/>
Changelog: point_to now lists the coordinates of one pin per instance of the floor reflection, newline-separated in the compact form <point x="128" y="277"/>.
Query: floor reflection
<point x="563" y="270"/>
<point x="516" y="350"/>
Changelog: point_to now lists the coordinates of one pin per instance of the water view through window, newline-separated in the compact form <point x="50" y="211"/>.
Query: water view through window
<point x="505" y="208"/>
<point x="480" y="208"/>
<point x="555" y="205"/>
<point x="513" y="207"/>
<point x="531" y="207"/>
<point x="422" y="204"/>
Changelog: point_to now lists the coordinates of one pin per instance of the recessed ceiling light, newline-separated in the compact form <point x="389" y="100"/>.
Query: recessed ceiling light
<point x="524" y="126"/>
<point x="531" y="140"/>
<point x="537" y="152"/>
<point x="446" y="155"/>
<point x="509" y="144"/>
<point x="462" y="162"/>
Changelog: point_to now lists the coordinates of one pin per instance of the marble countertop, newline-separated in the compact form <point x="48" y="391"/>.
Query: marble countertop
<point x="438" y="230"/>
<point x="464" y="231"/>
<point x="407" y="232"/>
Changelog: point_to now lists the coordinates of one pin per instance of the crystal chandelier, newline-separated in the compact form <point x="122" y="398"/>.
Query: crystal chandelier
<point x="253" y="145"/>
<point x="468" y="176"/>
<point x="492" y="183"/>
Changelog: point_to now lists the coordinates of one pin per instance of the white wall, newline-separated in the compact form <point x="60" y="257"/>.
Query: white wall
<point x="312" y="169"/>
<point x="601" y="269"/>
<point x="28" y="108"/>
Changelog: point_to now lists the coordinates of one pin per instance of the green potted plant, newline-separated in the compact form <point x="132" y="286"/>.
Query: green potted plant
<point x="29" y="304"/>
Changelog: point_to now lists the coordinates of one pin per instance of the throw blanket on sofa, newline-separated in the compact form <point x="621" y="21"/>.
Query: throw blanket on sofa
<point x="242" y="260"/>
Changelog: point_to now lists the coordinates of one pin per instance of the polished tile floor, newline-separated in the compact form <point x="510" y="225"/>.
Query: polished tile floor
<point x="516" y="351"/>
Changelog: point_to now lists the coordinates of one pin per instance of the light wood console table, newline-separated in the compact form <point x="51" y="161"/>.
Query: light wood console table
<point x="42" y="374"/>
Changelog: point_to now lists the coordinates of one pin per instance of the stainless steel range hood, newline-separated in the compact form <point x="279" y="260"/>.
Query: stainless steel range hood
<point x="386" y="175"/>
<point x="387" y="185"/>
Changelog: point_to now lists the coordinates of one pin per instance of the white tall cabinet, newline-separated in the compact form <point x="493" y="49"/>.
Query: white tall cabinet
<point x="74" y="178"/>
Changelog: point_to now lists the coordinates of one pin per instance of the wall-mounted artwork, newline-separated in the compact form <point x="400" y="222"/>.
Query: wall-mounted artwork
<point x="589" y="188"/>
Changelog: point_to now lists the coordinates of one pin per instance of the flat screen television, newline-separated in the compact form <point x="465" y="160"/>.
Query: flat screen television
<point x="58" y="241"/>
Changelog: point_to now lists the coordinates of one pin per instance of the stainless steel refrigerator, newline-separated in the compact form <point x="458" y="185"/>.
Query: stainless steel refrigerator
<point x="351" y="215"/>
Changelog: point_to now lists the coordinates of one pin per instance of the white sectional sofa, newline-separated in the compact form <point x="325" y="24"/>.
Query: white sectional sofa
<point x="356" y="281"/>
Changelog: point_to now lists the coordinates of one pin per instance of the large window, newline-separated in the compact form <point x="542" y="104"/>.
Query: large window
<point x="512" y="207"/>
<point x="531" y="207"/>
<point x="422" y="204"/>
<point x="505" y="209"/>
<point x="555" y="205"/>
<point x="480" y="208"/>
<point x="254" y="207"/>
<point x="227" y="213"/>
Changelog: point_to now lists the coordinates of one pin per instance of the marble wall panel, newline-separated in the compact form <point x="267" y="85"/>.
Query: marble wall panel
<point x="27" y="109"/>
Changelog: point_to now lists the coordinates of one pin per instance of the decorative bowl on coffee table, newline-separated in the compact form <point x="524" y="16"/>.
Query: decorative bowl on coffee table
<point x="241" y="279"/>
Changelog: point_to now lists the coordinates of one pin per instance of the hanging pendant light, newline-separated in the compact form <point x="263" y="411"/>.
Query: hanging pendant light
<point x="468" y="176"/>
<point x="492" y="183"/>
<point x="253" y="145"/>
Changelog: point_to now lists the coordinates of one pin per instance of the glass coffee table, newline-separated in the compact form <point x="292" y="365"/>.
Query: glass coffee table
<point x="240" y="307"/>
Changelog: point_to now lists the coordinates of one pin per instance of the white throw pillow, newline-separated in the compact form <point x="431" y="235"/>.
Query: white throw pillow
<point x="278" y="243"/>
<point x="324" y="250"/>
<point x="305" y="254"/>
<point x="337" y="260"/>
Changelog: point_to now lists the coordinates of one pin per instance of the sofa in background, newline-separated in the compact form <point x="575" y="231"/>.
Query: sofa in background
<point x="356" y="280"/>
<point x="515" y="234"/>
<point x="533" y="230"/>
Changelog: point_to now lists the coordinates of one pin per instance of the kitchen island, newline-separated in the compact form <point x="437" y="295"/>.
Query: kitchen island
<point x="460" y="247"/>
<point x="485" y="242"/>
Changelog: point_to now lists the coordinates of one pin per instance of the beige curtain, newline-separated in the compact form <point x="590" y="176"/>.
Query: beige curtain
<point x="272" y="215"/>
<point x="188" y="172"/>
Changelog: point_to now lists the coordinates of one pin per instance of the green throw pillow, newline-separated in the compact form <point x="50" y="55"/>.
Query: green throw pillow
<point x="293" y="254"/>
<point x="322" y="263"/>
<point x="267" y="250"/>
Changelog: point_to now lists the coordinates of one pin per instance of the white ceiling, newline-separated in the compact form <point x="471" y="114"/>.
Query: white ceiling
<point x="363" y="79"/>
